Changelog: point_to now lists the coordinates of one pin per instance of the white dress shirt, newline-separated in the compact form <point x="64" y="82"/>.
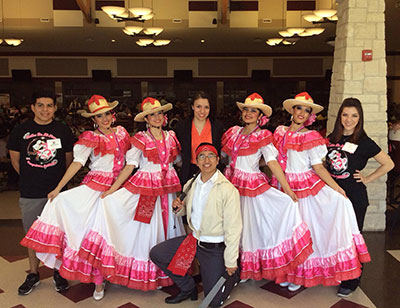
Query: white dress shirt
<point x="200" y="197"/>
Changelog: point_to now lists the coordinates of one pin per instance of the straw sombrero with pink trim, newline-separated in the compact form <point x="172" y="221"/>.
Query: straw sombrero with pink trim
<point x="97" y="104"/>
<point x="302" y="99"/>
<point x="151" y="105"/>
<point x="255" y="101"/>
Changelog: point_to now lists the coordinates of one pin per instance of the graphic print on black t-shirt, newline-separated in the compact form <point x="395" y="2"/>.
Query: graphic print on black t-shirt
<point x="337" y="162"/>
<point x="38" y="152"/>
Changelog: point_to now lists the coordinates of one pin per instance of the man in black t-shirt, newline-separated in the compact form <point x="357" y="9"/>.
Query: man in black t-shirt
<point x="40" y="150"/>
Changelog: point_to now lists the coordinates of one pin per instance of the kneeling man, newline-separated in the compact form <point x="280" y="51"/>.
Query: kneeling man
<point x="212" y="206"/>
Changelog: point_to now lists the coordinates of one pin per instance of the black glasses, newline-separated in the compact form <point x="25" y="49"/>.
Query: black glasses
<point x="210" y="156"/>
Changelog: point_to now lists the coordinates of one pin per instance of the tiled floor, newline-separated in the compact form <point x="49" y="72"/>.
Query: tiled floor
<point x="380" y="286"/>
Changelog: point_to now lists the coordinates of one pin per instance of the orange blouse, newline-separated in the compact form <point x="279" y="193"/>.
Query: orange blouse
<point x="205" y="136"/>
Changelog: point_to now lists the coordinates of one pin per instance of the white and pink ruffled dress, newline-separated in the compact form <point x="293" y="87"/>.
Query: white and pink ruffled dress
<point x="337" y="243"/>
<point x="119" y="245"/>
<point x="274" y="238"/>
<point x="57" y="234"/>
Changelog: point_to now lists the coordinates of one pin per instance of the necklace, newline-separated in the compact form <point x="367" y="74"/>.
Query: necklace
<point x="236" y="147"/>
<point x="282" y="155"/>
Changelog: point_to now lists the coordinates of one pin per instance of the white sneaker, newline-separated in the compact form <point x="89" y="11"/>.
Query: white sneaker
<point x="284" y="284"/>
<point x="99" y="295"/>
<point x="243" y="280"/>
<point x="293" y="287"/>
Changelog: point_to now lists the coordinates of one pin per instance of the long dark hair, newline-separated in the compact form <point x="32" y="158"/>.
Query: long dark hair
<point x="359" y="131"/>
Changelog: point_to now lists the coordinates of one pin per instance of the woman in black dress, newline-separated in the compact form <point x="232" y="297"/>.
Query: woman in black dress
<point x="349" y="150"/>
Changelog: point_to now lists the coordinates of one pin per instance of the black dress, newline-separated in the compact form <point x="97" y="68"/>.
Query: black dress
<point x="184" y="134"/>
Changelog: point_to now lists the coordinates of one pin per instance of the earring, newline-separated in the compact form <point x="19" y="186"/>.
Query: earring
<point x="95" y="125"/>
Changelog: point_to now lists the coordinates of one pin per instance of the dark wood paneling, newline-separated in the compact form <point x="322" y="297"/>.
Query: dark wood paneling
<point x="100" y="3"/>
<point x="298" y="67"/>
<point x="203" y="6"/>
<point x="243" y="6"/>
<point x="142" y="67"/>
<point x="223" y="67"/>
<point x="61" y="67"/>
<point x="4" y="67"/>
<point x="65" y="5"/>
<point x="301" y="5"/>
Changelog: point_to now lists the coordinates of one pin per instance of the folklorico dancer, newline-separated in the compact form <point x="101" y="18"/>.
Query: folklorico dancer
<point x="275" y="239"/>
<point x="213" y="214"/>
<point x="138" y="216"/>
<point x="337" y="243"/>
<point x="67" y="217"/>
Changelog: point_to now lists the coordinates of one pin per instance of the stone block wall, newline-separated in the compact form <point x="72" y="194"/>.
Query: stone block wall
<point x="361" y="25"/>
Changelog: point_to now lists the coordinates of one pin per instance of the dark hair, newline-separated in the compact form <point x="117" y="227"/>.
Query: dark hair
<point x="43" y="93"/>
<point x="359" y="131"/>
<point x="201" y="94"/>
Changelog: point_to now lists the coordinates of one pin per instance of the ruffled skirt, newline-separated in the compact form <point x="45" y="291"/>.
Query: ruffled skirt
<point x="339" y="248"/>
<point x="119" y="246"/>
<point x="275" y="239"/>
<point x="57" y="234"/>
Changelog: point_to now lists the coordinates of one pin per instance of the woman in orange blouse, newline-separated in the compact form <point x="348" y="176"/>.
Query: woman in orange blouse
<point x="201" y="127"/>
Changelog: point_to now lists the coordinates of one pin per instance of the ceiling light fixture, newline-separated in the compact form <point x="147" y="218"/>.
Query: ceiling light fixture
<point x="280" y="42"/>
<point x="152" y="43"/>
<point x="322" y="16"/>
<point x="121" y="14"/>
<point x="11" y="41"/>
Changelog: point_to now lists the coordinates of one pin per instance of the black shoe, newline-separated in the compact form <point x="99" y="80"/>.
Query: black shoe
<point x="60" y="283"/>
<point x="181" y="296"/>
<point x="31" y="281"/>
<point x="344" y="292"/>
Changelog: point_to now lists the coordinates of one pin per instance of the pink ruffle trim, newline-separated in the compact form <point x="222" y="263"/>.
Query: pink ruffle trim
<point x="45" y="238"/>
<point x="277" y="261"/>
<point x="300" y="141"/>
<point x="146" y="144"/>
<point x="153" y="183"/>
<point x="99" y="181"/>
<point x="305" y="184"/>
<point x="250" y="146"/>
<point x="330" y="271"/>
<point x="248" y="184"/>
<point x="102" y="145"/>
<point x="135" y="274"/>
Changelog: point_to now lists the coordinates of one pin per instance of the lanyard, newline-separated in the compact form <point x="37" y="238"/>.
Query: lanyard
<point x="236" y="148"/>
<point x="282" y="157"/>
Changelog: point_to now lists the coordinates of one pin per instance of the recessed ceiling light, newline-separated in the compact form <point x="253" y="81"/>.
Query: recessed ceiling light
<point x="113" y="41"/>
<point x="202" y="41"/>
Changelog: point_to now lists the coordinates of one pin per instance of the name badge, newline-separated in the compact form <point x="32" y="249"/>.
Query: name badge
<point x="350" y="147"/>
<point x="54" y="144"/>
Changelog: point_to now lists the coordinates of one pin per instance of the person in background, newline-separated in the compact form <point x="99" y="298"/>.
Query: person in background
<point x="200" y="127"/>
<point x="349" y="150"/>
<point x="40" y="151"/>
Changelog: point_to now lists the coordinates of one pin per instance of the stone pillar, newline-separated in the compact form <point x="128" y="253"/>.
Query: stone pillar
<point x="361" y="25"/>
